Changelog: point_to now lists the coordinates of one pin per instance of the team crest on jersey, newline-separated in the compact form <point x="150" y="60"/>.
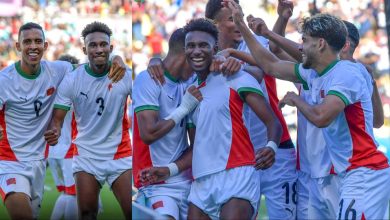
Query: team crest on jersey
<point x="158" y="204"/>
<point x="11" y="181"/>
<point x="50" y="91"/>
<point x="109" y="87"/>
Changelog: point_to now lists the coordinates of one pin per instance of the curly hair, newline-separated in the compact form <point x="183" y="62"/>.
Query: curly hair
<point x="328" y="27"/>
<point x="213" y="7"/>
<point x="204" y="25"/>
<point x="96" y="27"/>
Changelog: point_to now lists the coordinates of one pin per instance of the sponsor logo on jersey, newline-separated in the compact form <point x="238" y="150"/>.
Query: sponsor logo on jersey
<point x="11" y="181"/>
<point x="84" y="94"/>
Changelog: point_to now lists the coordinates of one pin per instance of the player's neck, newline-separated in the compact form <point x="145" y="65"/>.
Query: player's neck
<point x="224" y="44"/>
<point x="174" y="66"/>
<point x="325" y="61"/>
<point x="99" y="69"/>
<point x="202" y="75"/>
<point x="30" y="69"/>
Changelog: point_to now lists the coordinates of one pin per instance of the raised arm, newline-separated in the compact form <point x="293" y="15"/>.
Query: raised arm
<point x="377" y="106"/>
<point x="264" y="59"/>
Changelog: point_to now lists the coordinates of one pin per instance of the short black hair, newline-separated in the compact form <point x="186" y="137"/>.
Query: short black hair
<point x="176" y="41"/>
<point x="328" y="27"/>
<point x="204" y="25"/>
<point x="353" y="34"/>
<point x="69" y="58"/>
<point x="213" y="7"/>
<point x="29" y="26"/>
<point x="96" y="26"/>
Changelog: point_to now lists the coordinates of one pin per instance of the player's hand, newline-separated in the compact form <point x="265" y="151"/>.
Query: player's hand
<point x="264" y="157"/>
<point x="216" y="63"/>
<point x="117" y="69"/>
<point x="51" y="136"/>
<point x="156" y="70"/>
<point x="257" y="25"/>
<point x="153" y="175"/>
<point x="195" y="93"/>
<point x="288" y="99"/>
<point x="285" y="9"/>
<point x="230" y="66"/>
<point x="238" y="15"/>
<point x="225" y="53"/>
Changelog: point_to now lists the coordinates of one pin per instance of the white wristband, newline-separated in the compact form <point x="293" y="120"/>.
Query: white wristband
<point x="272" y="145"/>
<point x="173" y="169"/>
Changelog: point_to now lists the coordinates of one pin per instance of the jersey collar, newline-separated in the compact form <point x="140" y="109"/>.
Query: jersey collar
<point x="170" y="77"/>
<point x="329" y="67"/>
<point x="18" y="68"/>
<point x="90" y="72"/>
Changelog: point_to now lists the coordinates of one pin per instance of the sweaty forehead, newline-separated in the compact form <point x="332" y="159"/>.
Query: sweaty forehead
<point x="31" y="34"/>
<point x="198" y="37"/>
<point x="97" y="37"/>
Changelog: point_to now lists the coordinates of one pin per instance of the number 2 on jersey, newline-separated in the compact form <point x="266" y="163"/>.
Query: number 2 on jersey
<point x="100" y="101"/>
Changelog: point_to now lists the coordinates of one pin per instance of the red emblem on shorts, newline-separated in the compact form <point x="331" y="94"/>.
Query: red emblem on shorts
<point x="158" y="204"/>
<point x="50" y="91"/>
<point x="11" y="181"/>
<point x="109" y="87"/>
<point x="322" y="94"/>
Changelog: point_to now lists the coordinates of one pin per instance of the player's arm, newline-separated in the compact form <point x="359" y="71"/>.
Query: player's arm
<point x="377" y="106"/>
<point x="285" y="10"/>
<point x="265" y="157"/>
<point x="53" y="132"/>
<point x="264" y="59"/>
<point x="152" y="128"/>
<point x="320" y="115"/>
<point x="255" y="71"/>
<point x="154" y="175"/>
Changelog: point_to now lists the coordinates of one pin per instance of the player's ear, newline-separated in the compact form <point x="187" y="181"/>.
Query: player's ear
<point x="45" y="45"/>
<point x="85" y="50"/>
<point x="17" y="45"/>
<point x="111" y="48"/>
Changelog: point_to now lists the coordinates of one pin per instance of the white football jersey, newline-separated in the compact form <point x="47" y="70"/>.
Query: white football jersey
<point x="148" y="95"/>
<point x="100" y="112"/>
<point x="349" y="138"/>
<point x="222" y="141"/>
<point x="26" y="106"/>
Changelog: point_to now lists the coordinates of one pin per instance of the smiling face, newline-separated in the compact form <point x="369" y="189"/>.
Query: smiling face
<point x="32" y="45"/>
<point x="200" y="48"/>
<point x="97" y="48"/>
<point x="228" y="32"/>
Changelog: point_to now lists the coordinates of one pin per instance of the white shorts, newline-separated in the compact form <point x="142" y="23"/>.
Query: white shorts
<point x="167" y="199"/>
<point x="364" y="192"/>
<point x="103" y="170"/>
<point x="26" y="177"/>
<point x="209" y="193"/>
<point x="324" y="197"/>
<point x="303" y="195"/>
<point x="62" y="173"/>
<point x="278" y="185"/>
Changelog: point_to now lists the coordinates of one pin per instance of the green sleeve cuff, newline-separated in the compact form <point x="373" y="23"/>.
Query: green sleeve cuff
<point x="243" y="90"/>
<point x="304" y="83"/>
<point x="63" y="107"/>
<point x="146" y="107"/>
<point x="190" y="125"/>
<point x="340" y="95"/>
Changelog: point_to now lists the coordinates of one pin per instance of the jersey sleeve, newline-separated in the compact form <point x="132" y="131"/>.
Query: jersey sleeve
<point x="303" y="75"/>
<point x="243" y="82"/>
<point x="348" y="86"/>
<point x="128" y="80"/>
<point x="146" y="93"/>
<point x="64" y="94"/>
<point x="62" y="67"/>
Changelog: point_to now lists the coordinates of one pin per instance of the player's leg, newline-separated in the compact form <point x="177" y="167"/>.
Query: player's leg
<point x="237" y="208"/>
<point x="55" y="166"/>
<point x="122" y="191"/>
<point x="164" y="205"/>
<point x="15" y="191"/>
<point x="87" y="191"/>
<point x="195" y="213"/>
